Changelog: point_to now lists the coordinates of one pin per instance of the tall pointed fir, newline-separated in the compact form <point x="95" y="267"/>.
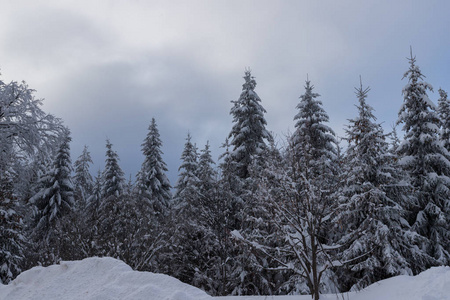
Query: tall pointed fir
<point x="12" y="240"/>
<point x="188" y="181"/>
<point x="121" y="217"/>
<point x="375" y="238"/>
<point x="113" y="176"/>
<point x="111" y="205"/>
<point x="154" y="197"/>
<point x="312" y="164"/>
<point x="256" y="262"/>
<point x="444" y="114"/>
<point x="207" y="175"/>
<point x="425" y="159"/>
<point x="84" y="184"/>
<point x="248" y="139"/>
<point x="152" y="182"/>
<point x="54" y="202"/>
<point x="91" y="216"/>
<point x="188" y="232"/>
<point x="208" y="275"/>
<point x="249" y="134"/>
<point x="227" y="215"/>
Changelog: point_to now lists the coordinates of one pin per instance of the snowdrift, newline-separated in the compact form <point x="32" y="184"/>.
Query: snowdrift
<point x="99" y="279"/>
<point x="433" y="284"/>
<point x="108" y="278"/>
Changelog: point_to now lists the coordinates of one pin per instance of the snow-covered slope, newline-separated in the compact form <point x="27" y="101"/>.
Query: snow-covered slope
<point x="99" y="279"/>
<point x="433" y="284"/>
<point x="108" y="278"/>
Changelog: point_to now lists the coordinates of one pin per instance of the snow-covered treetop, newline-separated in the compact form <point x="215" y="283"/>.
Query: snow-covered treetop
<point x="83" y="178"/>
<point x="313" y="141"/>
<point x="187" y="178"/>
<point x="113" y="176"/>
<point x="416" y="106"/>
<point x="249" y="134"/>
<point x="152" y="182"/>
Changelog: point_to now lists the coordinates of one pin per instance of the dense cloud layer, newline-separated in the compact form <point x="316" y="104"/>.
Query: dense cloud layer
<point x="108" y="67"/>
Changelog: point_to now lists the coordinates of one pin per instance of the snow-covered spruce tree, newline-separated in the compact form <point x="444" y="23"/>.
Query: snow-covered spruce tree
<point x="12" y="241"/>
<point x="113" y="176"/>
<point x="299" y="195"/>
<point x="208" y="273"/>
<point x="152" y="182"/>
<point x="111" y="204"/>
<point x="313" y="142"/>
<point x="425" y="159"/>
<point x="248" y="139"/>
<point x="311" y="198"/>
<point x="153" y="200"/>
<point x="55" y="199"/>
<point x="207" y="175"/>
<point x="395" y="142"/>
<point x="188" y="231"/>
<point x="249" y="133"/>
<point x="53" y="203"/>
<point x="375" y="238"/>
<point x="91" y="217"/>
<point x="444" y="114"/>
<point x="187" y="185"/>
<point x="84" y="184"/>
<point x="225" y="208"/>
<point x="254" y="269"/>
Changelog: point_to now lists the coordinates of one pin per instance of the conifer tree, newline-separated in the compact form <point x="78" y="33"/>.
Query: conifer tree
<point x="231" y="185"/>
<point x="444" y="114"/>
<point x="209" y="264"/>
<point x="252" y="270"/>
<point x="91" y="217"/>
<point x="152" y="182"/>
<point x="53" y="206"/>
<point x="83" y="181"/>
<point x="298" y="194"/>
<point x="312" y="138"/>
<point x="248" y="135"/>
<point x="185" y="219"/>
<point x="113" y="176"/>
<point x="312" y="167"/>
<point x="187" y="185"/>
<point x="248" y="139"/>
<point x="112" y="206"/>
<point x="425" y="159"/>
<point x="55" y="199"/>
<point x="206" y="173"/>
<point x="376" y="240"/>
<point x="12" y="240"/>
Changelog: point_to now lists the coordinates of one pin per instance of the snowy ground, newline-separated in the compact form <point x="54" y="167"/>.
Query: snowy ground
<point x="107" y="278"/>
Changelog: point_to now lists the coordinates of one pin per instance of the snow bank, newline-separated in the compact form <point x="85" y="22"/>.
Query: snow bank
<point x="108" y="278"/>
<point x="433" y="284"/>
<point x="96" y="278"/>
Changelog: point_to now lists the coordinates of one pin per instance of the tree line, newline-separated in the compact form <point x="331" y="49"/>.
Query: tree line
<point x="308" y="217"/>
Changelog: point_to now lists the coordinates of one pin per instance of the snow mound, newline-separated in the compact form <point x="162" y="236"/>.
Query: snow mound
<point x="96" y="278"/>
<point x="433" y="284"/>
<point x="108" y="278"/>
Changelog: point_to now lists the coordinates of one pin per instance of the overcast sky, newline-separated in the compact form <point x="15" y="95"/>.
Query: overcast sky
<point x="107" y="67"/>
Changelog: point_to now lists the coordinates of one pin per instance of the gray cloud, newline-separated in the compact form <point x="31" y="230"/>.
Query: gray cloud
<point x="109" y="69"/>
